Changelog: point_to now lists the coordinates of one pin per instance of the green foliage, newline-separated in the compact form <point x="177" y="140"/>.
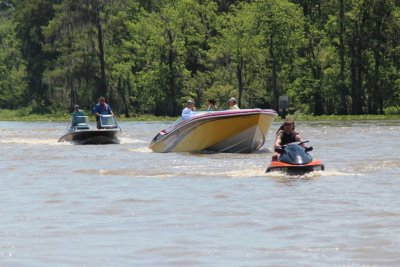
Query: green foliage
<point x="29" y="18"/>
<point x="148" y="57"/>
<point x="392" y="110"/>
<point x="12" y="67"/>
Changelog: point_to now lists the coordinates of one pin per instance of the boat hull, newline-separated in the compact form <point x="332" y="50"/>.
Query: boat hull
<point x="239" y="131"/>
<point x="315" y="165"/>
<point x="92" y="137"/>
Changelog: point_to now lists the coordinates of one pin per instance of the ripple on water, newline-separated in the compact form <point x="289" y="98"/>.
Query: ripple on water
<point x="27" y="141"/>
<point x="68" y="205"/>
<point x="127" y="172"/>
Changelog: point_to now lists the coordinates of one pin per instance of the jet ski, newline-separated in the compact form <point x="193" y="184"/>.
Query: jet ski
<point x="294" y="158"/>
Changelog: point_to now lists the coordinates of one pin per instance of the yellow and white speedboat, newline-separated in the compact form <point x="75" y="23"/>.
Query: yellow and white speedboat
<point x="233" y="131"/>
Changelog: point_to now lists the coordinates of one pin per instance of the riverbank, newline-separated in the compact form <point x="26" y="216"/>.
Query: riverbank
<point x="20" y="115"/>
<point x="306" y="117"/>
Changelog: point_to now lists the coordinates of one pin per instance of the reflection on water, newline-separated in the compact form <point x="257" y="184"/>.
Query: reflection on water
<point x="123" y="205"/>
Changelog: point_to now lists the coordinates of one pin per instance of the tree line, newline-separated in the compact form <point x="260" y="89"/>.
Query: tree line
<point x="150" y="56"/>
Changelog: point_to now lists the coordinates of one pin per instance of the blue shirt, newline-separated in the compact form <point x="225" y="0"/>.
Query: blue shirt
<point x="103" y="109"/>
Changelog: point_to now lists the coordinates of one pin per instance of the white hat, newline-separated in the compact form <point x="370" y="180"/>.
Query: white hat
<point x="190" y="101"/>
<point x="232" y="99"/>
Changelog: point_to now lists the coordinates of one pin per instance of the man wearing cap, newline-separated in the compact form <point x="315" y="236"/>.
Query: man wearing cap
<point x="76" y="115"/>
<point x="102" y="108"/>
<point x="189" y="108"/>
<point x="232" y="103"/>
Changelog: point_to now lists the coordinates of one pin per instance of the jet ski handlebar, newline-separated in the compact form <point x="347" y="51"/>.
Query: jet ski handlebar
<point x="282" y="148"/>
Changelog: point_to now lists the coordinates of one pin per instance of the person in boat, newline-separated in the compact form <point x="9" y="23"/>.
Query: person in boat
<point x="77" y="115"/>
<point x="211" y="105"/>
<point x="190" y="107"/>
<point x="233" y="104"/>
<point x="286" y="134"/>
<point x="102" y="108"/>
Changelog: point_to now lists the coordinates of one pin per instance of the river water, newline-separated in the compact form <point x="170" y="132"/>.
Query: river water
<point x="123" y="205"/>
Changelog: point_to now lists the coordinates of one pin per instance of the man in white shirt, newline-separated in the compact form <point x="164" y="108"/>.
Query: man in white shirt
<point x="232" y="103"/>
<point x="189" y="108"/>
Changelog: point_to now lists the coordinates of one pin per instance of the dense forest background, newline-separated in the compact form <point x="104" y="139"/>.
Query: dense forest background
<point x="150" y="56"/>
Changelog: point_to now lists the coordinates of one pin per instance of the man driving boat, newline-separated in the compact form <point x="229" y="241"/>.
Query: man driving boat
<point x="190" y="107"/>
<point x="102" y="108"/>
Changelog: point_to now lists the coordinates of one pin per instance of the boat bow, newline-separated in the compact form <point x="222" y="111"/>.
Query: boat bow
<point x="79" y="132"/>
<point x="235" y="131"/>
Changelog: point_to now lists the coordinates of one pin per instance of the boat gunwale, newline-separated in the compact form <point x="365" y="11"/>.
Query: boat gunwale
<point x="115" y="131"/>
<point x="220" y="114"/>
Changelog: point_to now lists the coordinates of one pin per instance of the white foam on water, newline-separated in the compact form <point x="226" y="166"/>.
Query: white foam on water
<point x="127" y="140"/>
<point x="141" y="150"/>
<point x="253" y="172"/>
<point x="127" y="172"/>
<point x="24" y="141"/>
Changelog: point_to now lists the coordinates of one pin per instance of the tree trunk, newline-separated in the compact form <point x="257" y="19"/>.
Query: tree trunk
<point x="121" y="92"/>
<point x="239" y="73"/>
<point x="342" y="86"/>
<point x="73" y="93"/>
<point x="356" y="76"/>
<point x="378" y="92"/>
<point x="102" y="87"/>
<point x="274" y="78"/>
<point x="317" y="73"/>
<point x="172" y="107"/>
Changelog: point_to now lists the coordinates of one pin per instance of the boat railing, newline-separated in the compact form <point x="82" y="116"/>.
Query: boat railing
<point x="78" y="123"/>
<point x="108" y="122"/>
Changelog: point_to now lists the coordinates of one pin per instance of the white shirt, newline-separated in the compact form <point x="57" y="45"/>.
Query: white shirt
<point x="234" y="107"/>
<point x="186" y="111"/>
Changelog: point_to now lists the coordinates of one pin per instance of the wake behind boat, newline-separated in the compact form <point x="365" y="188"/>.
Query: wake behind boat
<point x="233" y="131"/>
<point x="79" y="132"/>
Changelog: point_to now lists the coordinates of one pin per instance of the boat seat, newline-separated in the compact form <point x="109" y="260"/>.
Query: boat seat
<point x="77" y="120"/>
<point x="82" y="126"/>
<point x="79" y="123"/>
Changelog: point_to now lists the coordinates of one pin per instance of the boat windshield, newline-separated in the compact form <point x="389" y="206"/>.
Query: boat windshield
<point x="190" y="115"/>
<point x="80" y="122"/>
<point x="183" y="118"/>
<point x="108" y="121"/>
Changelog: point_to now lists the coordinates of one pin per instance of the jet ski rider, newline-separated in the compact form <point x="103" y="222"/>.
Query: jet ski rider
<point x="284" y="135"/>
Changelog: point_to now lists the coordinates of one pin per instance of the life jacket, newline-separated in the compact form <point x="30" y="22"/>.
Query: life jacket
<point x="287" y="138"/>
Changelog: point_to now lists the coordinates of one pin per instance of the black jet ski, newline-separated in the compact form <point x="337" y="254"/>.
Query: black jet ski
<point x="295" y="158"/>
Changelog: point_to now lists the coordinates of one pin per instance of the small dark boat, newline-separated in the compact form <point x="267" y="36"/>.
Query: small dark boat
<point x="295" y="159"/>
<point x="79" y="132"/>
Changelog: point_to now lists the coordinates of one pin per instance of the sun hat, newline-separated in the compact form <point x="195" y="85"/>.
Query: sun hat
<point x="232" y="99"/>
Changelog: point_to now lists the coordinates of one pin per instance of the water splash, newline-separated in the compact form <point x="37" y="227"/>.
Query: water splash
<point x="24" y="141"/>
